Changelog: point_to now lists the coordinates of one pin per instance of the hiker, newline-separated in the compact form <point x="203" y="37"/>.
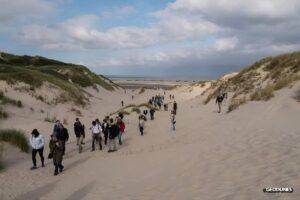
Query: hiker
<point x="105" y="129"/>
<point x="113" y="133"/>
<point x="37" y="143"/>
<point x="96" y="135"/>
<point x="175" y="107"/>
<point x="79" y="133"/>
<point x="152" y="111"/>
<point x="219" y="100"/>
<point x="58" y="128"/>
<point x="121" y="125"/>
<point x="141" y="124"/>
<point x="122" y="103"/>
<point x="61" y="134"/>
<point x="173" y="121"/>
<point x="56" y="153"/>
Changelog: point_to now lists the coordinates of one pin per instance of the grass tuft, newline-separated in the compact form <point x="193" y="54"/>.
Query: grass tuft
<point x="235" y="103"/>
<point x="16" y="138"/>
<point x="263" y="94"/>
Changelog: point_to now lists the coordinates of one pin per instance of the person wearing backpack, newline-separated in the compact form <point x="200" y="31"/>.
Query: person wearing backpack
<point x="37" y="143"/>
<point x="56" y="154"/>
<point x="79" y="133"/>
<point x="121" y="125"/>
<point x="113" y="133"/>
<point x="96" y="135"/>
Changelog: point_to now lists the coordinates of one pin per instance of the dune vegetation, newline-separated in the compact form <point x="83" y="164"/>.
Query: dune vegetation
<point x="37" y="70"/>
<point x="16" y="138"/>
<point x="259" y="81"/>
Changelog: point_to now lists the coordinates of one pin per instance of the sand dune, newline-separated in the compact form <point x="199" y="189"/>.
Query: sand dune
<point x="209" y="156"/>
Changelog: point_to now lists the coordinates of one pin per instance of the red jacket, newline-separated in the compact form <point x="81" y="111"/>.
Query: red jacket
<point x="122" y="127"/>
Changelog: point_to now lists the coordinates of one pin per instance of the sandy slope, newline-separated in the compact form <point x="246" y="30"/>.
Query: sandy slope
<point x="210" y="156"/>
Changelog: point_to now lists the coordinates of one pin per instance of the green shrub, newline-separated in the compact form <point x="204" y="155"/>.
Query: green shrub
<point x="235" y="103"/>
<point x="262" y="94"/>
<point x="6" y="100"/>
<point x="142" y="90"/>
<point x="136" y="109"/>
<point x="3" y="114"/>
<point x="16" y="138"/>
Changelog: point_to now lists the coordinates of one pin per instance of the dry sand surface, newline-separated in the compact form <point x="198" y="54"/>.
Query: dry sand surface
<point x="210" y="155"/>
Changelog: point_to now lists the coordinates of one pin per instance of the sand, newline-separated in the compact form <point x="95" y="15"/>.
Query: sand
<point x="209" y="156"/>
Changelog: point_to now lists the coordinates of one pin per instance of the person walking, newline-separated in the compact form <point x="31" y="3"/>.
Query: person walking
<point x="96" y="135"/>
<point x="105" y="129"/>
<point x="175" y="108"/>
<point x="152" y="111"/>
<point x="113" y="133"/>
<point x="79" y="133"/>
<point x="121" y="125"/>
<point x="56" y="153"/>
<point x="141" y="124"/>
<point x="219" y="101"/>
<point x="173" y="120"/>
<point x="37" y="143"/>
<point x="122" y="103"/>
<point x="61" y="134"/>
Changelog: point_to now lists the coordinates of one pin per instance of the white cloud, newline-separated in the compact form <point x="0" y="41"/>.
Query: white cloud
<point x="224" y="44"/>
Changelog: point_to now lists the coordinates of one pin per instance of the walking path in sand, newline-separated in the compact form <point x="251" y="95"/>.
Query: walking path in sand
<point x="209" y="156"/>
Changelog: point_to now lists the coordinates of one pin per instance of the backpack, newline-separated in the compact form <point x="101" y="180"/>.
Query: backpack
<point x="65" y="134"/>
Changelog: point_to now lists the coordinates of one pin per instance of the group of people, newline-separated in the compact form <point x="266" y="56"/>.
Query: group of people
<point x="110" y="130"/>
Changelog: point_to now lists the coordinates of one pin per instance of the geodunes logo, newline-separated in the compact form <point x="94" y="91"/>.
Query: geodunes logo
<point x="278" y="190"/>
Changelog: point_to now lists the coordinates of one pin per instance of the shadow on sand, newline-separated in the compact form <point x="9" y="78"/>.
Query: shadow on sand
<point x="82" y="192"/>
<point x="37" y="193"/>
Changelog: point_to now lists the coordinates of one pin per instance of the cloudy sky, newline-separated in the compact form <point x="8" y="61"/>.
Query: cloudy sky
<point x="179" y="38"/>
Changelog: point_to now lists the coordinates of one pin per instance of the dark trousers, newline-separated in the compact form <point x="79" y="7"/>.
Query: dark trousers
<point x="63" y="146"/>
<point x="34" y="152"/>
<point x="152" y="116"/>
<point x="105" y="137"/>
<point x="97" y="138"/>
<point x="142" y="130"/>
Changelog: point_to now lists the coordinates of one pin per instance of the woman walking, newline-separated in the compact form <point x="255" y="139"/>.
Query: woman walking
<point x="37" y="143"/>
<point x="141" y="124"/>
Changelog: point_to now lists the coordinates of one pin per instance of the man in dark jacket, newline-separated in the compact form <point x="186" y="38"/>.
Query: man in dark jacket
<point x="113" y="133"/>
<point x="152" y="111"/>
<point x="61" y="134"/>
<point x="175" y="108"/>
<point x="79" y="133"/>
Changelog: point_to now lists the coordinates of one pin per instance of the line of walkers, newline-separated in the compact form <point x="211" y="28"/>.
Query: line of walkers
<point x="110" y="129"/>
